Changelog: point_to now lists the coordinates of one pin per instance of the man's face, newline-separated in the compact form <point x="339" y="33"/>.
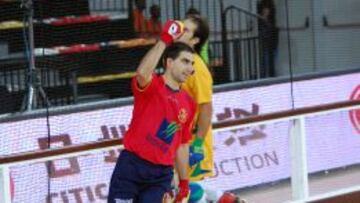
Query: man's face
<point x="188" y="36"/>
<point x="182" y="67"/>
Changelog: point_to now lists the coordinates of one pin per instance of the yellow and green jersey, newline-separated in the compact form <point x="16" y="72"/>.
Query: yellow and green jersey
<point x="199" y="86"/>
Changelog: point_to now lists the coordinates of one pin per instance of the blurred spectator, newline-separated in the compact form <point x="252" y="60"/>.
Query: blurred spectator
<point x="138" y="17"/>
<point x="153" y="24"/>
<point x="269" y="34"/>
<point x="192" y="11"/>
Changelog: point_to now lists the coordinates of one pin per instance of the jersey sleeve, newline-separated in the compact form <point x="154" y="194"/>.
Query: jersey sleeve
<point x="145" y="91"/>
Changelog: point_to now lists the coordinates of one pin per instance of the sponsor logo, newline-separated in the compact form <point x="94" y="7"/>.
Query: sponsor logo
<point x="355" y="114"/>
<point x="242" y="135"/>
<point x="54" y="168"/>
<point x="167" y="131"/>
<point x="84" y="193"/>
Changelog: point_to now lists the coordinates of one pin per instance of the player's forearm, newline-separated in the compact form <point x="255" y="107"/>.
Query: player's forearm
<point x="182" y="161"/>
<point x="204" y="119"/>
<point x="149" y="63"/>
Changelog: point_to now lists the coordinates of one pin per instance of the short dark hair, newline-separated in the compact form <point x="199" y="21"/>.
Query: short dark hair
<point x="201" y="31"/>
<point x="173" y="51"/>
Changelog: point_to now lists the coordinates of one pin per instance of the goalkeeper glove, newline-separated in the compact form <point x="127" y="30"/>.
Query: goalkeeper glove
<point x="171" y="31"/>
<point x="196" y="151"/>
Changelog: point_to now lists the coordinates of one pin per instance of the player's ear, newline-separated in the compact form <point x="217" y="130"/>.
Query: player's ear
<point x="168" y="62"/>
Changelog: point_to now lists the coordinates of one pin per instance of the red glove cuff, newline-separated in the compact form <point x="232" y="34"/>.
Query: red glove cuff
<point x="166" y="38"/>
<point x="183" y="190"/>
<point x="184" y="184"/>
<point x="171" y="30"/>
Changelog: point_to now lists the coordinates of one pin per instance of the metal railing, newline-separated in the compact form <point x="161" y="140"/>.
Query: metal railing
<point x="242" y="46"/>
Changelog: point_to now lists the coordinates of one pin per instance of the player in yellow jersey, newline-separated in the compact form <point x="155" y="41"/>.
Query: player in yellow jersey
<point x="199" y="86"/>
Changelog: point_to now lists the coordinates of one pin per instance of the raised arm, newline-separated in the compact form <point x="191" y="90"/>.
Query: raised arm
<point x="172" y="30"/>
<point x="148" y="64"/>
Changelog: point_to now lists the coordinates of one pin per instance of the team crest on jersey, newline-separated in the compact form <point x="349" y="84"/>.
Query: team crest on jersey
<point x="182" y="115"/>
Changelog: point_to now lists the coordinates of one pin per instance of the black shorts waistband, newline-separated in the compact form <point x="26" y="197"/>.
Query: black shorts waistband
<point x="137" y="158"/>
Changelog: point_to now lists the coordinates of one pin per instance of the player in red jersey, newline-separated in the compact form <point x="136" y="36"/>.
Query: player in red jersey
<point x="160" y="128"/>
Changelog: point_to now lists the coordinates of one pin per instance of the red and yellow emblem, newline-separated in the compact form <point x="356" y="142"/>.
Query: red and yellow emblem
<point x="182" y="115"/>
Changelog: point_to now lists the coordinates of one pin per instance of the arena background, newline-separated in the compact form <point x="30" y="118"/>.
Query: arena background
<point x="85" y="52"/>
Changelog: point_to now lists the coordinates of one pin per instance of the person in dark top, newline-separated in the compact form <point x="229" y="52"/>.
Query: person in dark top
<point x="139" y="18"/>
<point x="268" y="34"/>
<point x="153" y="24"/>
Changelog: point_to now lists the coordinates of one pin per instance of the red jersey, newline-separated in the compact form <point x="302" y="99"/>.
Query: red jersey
<point x="161" y="121"/>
